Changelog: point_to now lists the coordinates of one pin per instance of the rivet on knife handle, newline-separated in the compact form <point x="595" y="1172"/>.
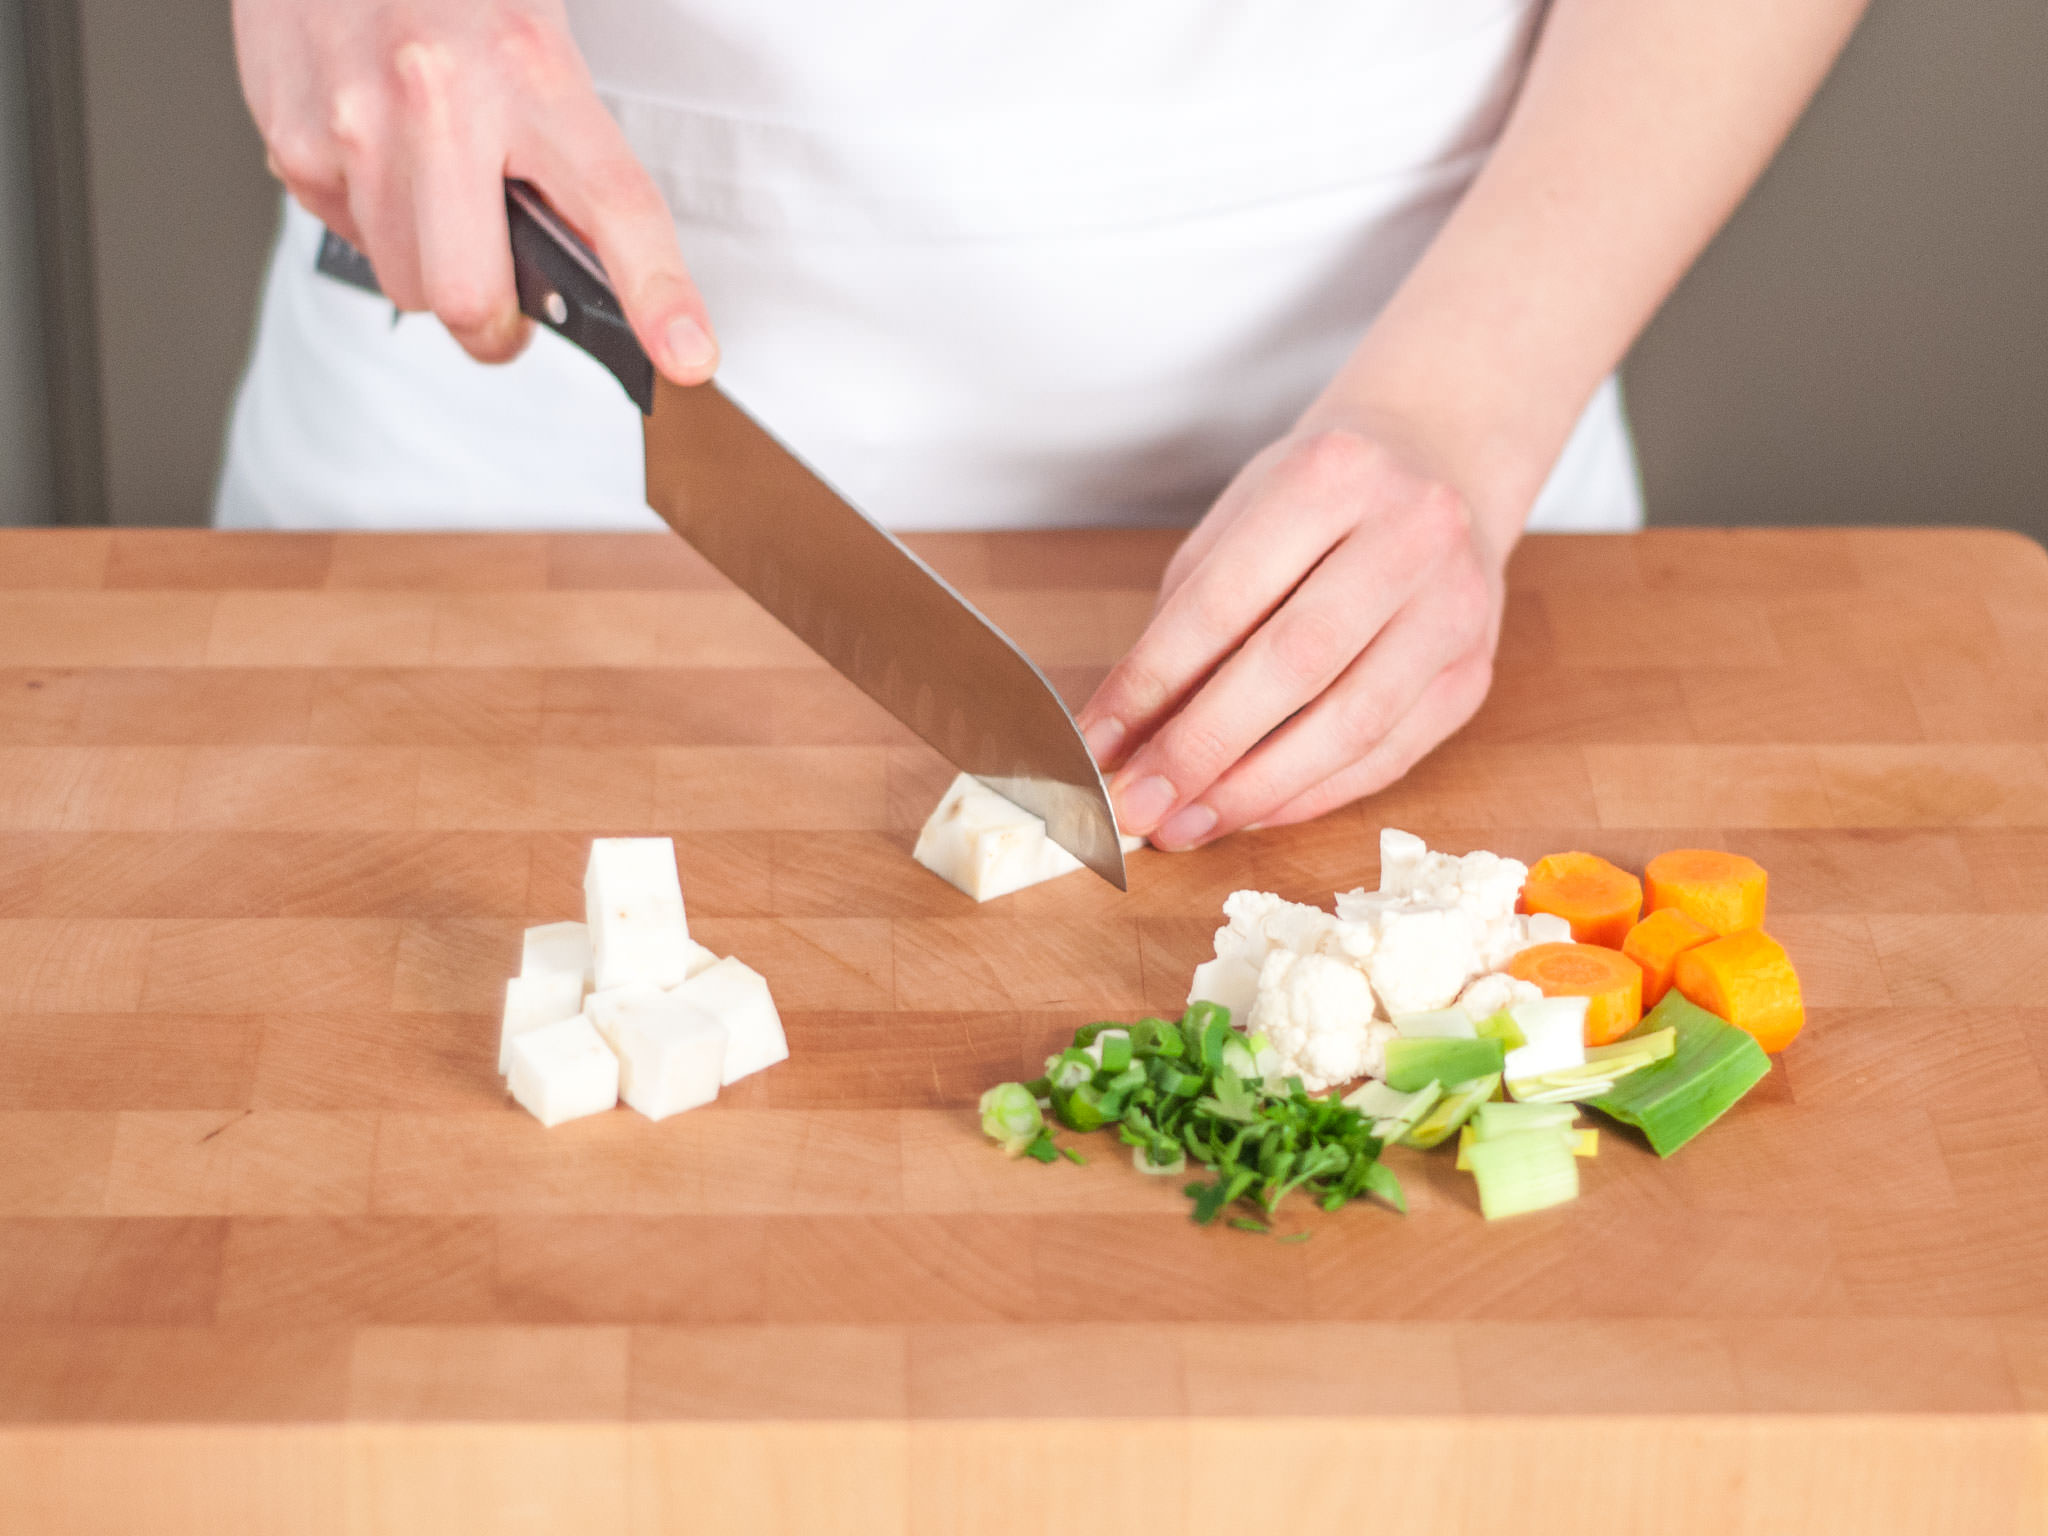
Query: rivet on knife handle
<point x="561" y="283"/>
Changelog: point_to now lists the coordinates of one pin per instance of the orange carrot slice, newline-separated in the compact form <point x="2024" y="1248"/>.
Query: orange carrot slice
<point x="1600" y="901"/>
<point x="1723" y="891"/>
<point x="1746" y="978"/>
<point x="1656" y="943"/>
<point x="1610" y="981"/>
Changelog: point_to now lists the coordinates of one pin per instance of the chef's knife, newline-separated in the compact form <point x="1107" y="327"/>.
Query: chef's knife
<point x="843" y="583"/>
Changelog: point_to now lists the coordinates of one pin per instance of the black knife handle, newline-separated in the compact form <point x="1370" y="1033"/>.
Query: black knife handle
<point x="561" y="284"/>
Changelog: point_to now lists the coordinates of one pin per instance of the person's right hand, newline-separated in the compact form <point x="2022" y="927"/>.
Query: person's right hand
<point x="397" y="124"/>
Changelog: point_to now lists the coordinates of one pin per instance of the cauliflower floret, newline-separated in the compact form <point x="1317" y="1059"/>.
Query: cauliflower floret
<point x="1261" y="919"/>
<point x="1422" y="957"/>
<point x="1506" y="937"/>
<point x="1488" y="885"/>
<point x="1491" y="993"/>
<point x="1317" y="1014"/>
<point x="1484" y="884"/>
<point x="1260" y="923"/>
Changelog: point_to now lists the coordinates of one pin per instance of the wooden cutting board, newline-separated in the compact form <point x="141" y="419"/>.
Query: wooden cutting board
<point x="277" y="1255"/>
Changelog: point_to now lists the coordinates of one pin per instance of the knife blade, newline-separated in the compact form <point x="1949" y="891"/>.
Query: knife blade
<point x="841" y="582"/>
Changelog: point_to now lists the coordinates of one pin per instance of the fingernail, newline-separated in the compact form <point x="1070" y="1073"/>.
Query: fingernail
<point x="1103" y="738"/>
<point x="689" y="346"/>
<point x="1185" y="827"/>
<point x="1139" y="807"/>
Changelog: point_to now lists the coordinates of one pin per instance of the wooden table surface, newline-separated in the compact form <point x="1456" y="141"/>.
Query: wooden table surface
<point x="276" y="1253"/>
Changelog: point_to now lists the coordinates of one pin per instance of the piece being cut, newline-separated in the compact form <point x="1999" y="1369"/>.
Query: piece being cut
<point x="564" y="1071"/>
<point x="534" y="1002"/>
<point x="987" y="846"/>
<point x="737" y="997"/>
<point x="633" y="900"/>
<point x="671" y="1055"/>
<point x="553" y="948"/>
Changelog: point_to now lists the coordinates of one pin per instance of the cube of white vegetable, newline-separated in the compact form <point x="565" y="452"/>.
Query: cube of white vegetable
<point x="634" y="903"/>
<point x="1547" y="928"/>
<point x="556" y="947"/>
<point x="534" y="1002"/>
<point x="986" y="846"/>
<point x="563" y="1072"/>
<point x="608" y="1009"/>
<point x="1554" y="1032"/>
<point x="738" y="998"/>
<point x="671" y="1056"/>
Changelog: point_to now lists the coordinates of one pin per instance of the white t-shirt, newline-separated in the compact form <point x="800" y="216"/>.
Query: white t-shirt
<point x="1048" y="264"/>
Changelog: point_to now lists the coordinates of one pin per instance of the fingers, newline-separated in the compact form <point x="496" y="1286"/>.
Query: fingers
<point x="584" y="166"/>
<point x="1411" y="559"/>
<point x="396" y="126"/>
<point x="1346" y="725"/>
<point x="1451" y="699"/>
<point x="1301" y="506"/>
<point x="458" y="209"/>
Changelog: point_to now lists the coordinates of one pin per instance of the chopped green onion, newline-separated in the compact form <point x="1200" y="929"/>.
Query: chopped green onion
<point x="1526" y="1171"/>
<point x="1113" y="1049"/>
<point x="1156" y="1037"/>
<point x="1712" y="1065"/>
<point x="1141" y="1159"/>
<point x="1010" y="1117"/>
<point x="1413" y="1063"/>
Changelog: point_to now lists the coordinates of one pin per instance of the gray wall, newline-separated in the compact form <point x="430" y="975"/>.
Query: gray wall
<point x="24" y="427"/>
<point x="183" y="214"/>
<point x="1867" y="341"/>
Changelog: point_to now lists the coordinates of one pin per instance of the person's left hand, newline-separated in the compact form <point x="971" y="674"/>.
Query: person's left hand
<point x="1330" y="620"/>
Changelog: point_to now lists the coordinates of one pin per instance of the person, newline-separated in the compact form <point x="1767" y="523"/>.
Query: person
<point x="1351" y="275"/>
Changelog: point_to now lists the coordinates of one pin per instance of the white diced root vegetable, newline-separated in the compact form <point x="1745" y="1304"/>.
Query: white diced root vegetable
<point x="564" y="1071"/>
<point x="534" y="1002"/>
<point x="671" y="1056"/>
<point x="736" y="996"/>
<point x="1546" y="928"/>
<point x="633" y="901"/>
<point x="553" y="948"/>
<point x="986" y="845"/>
<point x="609" y="1009"/>
<point x="671" y="1022"/>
